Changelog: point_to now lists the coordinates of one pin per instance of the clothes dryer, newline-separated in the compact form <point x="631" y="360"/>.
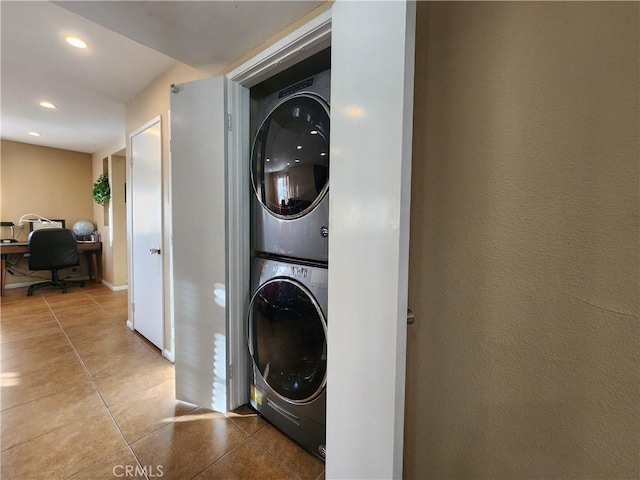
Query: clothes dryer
<point x="290" y="171"/>
<point x="287" y="338"/>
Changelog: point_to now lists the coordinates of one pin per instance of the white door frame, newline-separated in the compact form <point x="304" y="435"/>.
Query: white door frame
<point x="129" y="193"/>
<point x="371" y="142"/>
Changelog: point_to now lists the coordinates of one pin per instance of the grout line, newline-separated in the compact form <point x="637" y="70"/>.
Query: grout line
<point x="144" y="341"/>
<point x="95" y="387"/>
<point x="217" y="460"/>
<point x="274" y="457"/>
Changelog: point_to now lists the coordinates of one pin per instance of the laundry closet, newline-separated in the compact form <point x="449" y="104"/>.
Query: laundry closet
<point x="287" y="318"/>
<point x="281" y="367"/>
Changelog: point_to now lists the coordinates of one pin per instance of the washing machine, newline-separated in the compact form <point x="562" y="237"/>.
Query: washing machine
<point x="287" y="338"/>
<point x="290" y="171"/>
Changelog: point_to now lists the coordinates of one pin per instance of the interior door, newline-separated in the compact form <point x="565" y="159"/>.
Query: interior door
<point x="199" y="226"/>
<point x="371" y="128"/>
<point x="146" y="233"/>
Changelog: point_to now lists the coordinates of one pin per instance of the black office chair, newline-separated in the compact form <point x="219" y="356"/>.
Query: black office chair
<point x="53" y="249"/>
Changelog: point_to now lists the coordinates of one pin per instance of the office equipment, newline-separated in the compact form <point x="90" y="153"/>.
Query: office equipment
<point x="53" y="249"/>
<point x="38" y="225"/>
<point x="37" y="222"/>
<point x="90" y="249"/>
<point x="12" y="238"/>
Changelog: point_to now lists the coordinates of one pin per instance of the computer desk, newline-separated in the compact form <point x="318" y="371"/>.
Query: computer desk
<point x="91" y="249"/>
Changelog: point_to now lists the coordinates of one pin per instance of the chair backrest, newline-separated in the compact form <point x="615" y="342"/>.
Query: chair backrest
<point x="52" y="248"/>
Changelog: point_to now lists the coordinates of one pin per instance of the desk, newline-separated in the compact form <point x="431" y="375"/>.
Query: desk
<point x="89" y="248"/>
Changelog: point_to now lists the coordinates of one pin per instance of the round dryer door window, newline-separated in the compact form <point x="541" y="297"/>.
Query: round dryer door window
<point x="290" y="159"/>
<point x="287" y="340"/>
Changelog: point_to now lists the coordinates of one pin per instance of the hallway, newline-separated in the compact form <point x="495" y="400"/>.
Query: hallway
<point x="83" y="397"/>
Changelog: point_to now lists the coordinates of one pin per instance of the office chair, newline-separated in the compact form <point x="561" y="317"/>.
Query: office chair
<point x="53" y="249"/>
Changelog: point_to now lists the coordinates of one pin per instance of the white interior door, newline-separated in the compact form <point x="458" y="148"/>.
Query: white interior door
<point x="147" y="312"/>
<point x="199" y="250"/>
<point x="371" y="128"/>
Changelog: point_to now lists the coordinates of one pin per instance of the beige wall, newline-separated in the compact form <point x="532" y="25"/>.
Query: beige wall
<point x="118" y="172"/>
<point x="47" y="181"/>
<point x="523" y="362"/>
<point x="114" y="250"/>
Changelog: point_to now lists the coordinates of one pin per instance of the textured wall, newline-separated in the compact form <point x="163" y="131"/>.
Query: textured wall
<point x="524" y="360"/>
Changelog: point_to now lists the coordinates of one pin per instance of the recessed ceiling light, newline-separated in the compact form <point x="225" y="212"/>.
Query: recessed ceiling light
<point x="76" y="42"/>
<point x="313" y="132"/>
<point x="47" y="105"/>
<point x="297" y="160"/>
<point x="288" y="163"/>
<point x="322" y="154"/>
<point x="299" y="147"/>
<point x="268" y="160"/>
<point x="34" y="134"/>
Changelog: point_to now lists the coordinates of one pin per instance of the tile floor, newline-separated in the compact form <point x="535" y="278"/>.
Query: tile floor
<point x="83" y="397"/>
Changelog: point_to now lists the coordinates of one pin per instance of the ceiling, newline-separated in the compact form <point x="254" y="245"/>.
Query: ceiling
<point x="129" y="43"/>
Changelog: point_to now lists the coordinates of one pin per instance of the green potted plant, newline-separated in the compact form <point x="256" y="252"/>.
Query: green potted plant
<point x="101" y="191"/>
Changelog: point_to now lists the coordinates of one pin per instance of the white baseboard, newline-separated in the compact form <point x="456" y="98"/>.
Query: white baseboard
<point x="168" y="355"/>
<point x="115" y="288"/>
<point x="9" y="286"/>
<point x="130" y="325"/>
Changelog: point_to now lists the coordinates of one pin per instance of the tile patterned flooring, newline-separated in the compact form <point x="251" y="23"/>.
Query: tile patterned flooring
<point x="85" y="398"/>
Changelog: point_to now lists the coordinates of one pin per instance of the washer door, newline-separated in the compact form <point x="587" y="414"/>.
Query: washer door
<point x="290" y="158"/>
<point x="288" y="340"/>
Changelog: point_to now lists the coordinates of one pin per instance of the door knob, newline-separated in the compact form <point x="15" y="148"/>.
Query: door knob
<point x="411" y="318"/>
<point x="154" y="250"/>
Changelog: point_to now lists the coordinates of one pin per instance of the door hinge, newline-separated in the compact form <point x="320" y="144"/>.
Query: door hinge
<point x="133" y="307"/>
<point x="229" y="121"/>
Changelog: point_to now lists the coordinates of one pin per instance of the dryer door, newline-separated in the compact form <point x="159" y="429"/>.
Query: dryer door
<point x="290" y="157"/>
<point x="288" y="340"/>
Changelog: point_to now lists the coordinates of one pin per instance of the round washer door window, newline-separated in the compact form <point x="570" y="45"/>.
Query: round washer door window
<point x="290" y="157"/>
<point x="287" y="339"/>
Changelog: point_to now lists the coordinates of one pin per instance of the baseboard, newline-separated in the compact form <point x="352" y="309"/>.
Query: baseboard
<point x="115" y="288"/>
<point x="130" y="325"/>
<point x="168" y="355"/>
<point x="9" y="286"/>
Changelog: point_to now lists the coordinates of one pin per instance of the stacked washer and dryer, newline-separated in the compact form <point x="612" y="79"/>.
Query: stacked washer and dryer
<point x="287" y="325"/>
